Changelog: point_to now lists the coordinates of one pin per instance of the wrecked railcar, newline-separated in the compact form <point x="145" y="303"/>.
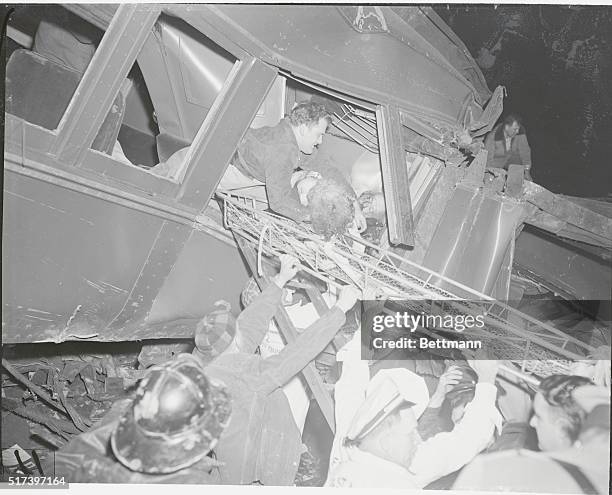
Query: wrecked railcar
<point x="101" y="248"/>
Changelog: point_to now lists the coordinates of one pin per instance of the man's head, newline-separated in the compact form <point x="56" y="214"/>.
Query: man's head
<point x="395" y="438"/>
<point x="332" y="210"/>
<point x="557" y="417"/>
<point x="214" y="332"/>
<point x="373" y="205"/>
<point x="512" y="125"/>
<point x="176" y="418"/>
<point x="309" y="122"/>
<point x="385" y="425"/>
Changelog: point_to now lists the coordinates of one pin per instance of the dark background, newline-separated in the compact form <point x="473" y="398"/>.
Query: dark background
<point x="556" y="64"/>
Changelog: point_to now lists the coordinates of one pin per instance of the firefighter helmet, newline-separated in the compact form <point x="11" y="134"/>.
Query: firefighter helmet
<point x="176" y="418"/>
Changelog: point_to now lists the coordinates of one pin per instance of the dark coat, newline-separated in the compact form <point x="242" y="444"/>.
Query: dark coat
<point x="271" y="155"/>
<point x="498" y="156"/>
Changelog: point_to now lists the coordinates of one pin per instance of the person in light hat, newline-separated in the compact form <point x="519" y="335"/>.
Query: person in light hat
<point x="381" y="439"/>
<point x="379" y="445"/>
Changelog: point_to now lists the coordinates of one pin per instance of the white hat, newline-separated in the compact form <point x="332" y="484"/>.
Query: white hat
<point x="385" y="393"/>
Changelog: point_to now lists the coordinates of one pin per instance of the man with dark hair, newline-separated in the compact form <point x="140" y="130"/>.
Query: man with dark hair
<point x="556" y="415"/>
<point x="570" y="462"/>
<point x="270" y="155"/>
<point x="507" y="145"/>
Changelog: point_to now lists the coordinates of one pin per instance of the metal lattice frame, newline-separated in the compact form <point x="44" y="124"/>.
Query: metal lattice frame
<point x="535" y="346"/>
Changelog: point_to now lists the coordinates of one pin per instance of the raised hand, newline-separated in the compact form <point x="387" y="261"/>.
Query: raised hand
<point x="289" y="267"/>
<point x="448" y="380"/>
<point x="486" y="369"/>
<point x="360" y="221"/>
<point x="348" y="297"/>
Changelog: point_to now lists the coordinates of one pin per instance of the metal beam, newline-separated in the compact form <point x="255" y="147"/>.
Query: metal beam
<point x="588" y="226"/>
<point x="395" y="175"/>
<point x="223" y="128"/>
<point x="102" y="80"/>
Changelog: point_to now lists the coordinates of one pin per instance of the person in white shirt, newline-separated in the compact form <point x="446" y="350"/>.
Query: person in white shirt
<point x="379" y="446"/>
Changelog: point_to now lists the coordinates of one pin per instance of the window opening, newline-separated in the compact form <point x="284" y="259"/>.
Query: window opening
<point x="48" y="51"/>
<point x="179" y="75"/>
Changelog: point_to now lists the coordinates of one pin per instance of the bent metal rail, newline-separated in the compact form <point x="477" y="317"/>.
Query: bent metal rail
<point x="535" y="346"/>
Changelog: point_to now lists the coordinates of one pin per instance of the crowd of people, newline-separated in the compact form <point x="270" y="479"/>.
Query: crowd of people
<point x="233" y="411"/>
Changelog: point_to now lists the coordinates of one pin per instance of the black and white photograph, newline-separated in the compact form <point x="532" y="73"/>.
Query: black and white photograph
<point x="337" y="246"/>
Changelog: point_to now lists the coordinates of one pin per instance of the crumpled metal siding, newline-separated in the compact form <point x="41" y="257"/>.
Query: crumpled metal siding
<point x="472" y="237"/>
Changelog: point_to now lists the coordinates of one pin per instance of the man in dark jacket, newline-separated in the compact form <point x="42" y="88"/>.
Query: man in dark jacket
<point x="270" y="155"/>
<point x="507" y="145"/>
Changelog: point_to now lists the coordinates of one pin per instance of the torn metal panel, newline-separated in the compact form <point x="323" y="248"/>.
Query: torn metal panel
<point x="472" y="237"/>
<point x="566" y="269"/>
<point x="64" y="253"/>
<point x="431" y="212"/>
<point x="579" y="219"/>
<point x="483" y="124"/>
<point x="514" y="181"/>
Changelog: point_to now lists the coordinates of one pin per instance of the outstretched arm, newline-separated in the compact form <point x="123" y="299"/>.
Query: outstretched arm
<point x="469" y="437"/>
<point x="278" y="370"/>
<point x="254" y="321"/>
<point x="283" y="199"/>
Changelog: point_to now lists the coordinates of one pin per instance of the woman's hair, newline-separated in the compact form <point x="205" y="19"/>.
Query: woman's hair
<point x="557" y="391"/>
<point x="331" y="208"/>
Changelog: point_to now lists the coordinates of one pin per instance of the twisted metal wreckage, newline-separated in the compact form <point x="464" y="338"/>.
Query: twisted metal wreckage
<point x="98" y="248"/>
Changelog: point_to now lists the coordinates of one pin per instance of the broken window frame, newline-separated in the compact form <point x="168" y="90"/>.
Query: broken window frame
<point x="69" y="145"/>
<point x="396" y="184"/>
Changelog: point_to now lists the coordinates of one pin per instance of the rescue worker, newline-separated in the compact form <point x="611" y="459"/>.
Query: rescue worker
<point x="379" y="445"/>
<point x="507" y="145"/>
<point x="182" y="408"/>
<point x="270" y="155"/>
<point x="263" y="443"/>
<point x="161" y="435"/>
<point x="574" y="437"/>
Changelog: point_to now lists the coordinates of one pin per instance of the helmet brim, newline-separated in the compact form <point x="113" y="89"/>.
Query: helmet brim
<point x="143" y="452"/>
